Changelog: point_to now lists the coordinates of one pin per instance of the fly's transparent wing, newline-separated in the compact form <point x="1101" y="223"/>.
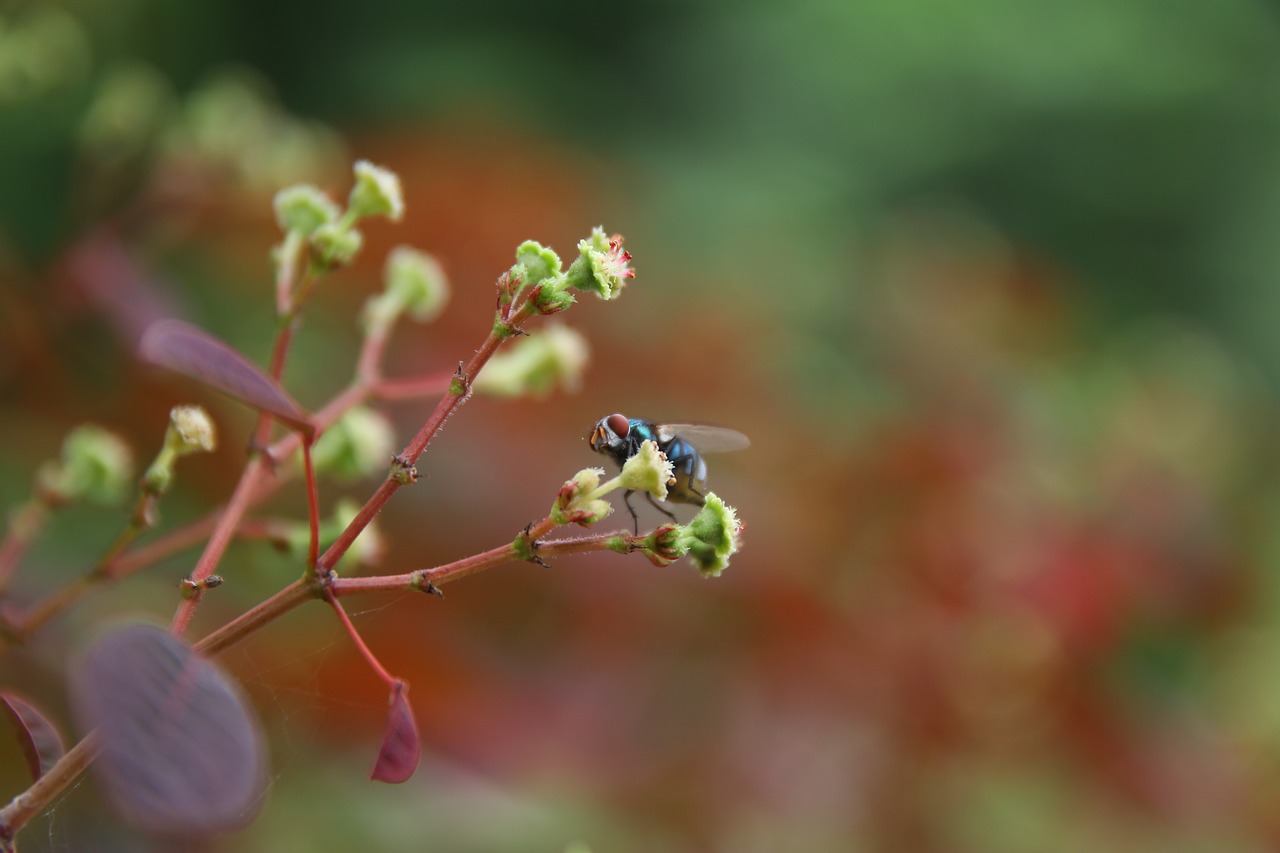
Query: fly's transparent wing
<point x="706" y="439"/>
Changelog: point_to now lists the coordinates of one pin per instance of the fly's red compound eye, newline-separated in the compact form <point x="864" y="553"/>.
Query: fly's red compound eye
<point x="620" y="425"/>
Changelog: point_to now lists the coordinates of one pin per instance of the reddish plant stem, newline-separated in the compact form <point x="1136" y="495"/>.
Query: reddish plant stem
<point x="220" y="538"/>
<point x="38" y="797"/>
<point x="295" y="594"/>
<point x="449" y="572"/>
<point x="35" y="799"/>
<point x="410" y="389"/>
<point x="24" y="526"/>
<point x="411" y="452"/>
<point x="369" y="656"/>
<point x="313" y="506"/>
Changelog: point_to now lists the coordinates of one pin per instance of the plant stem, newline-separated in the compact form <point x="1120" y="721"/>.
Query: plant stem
<point x="24" y="526"/>
<point x="220" y="538"/>
<point x="35" y="799"/>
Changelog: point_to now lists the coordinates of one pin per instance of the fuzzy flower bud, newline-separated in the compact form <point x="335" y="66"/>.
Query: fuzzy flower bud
<point x="663" y="545"/>
<point x="538" y="263"/>
<point x="536" y="364"/>
<point x="304" y="208"/>
<point x="376" y="193"/>
<point x="334" y="244"/>
<point x="96" y="466"/>
<point x="190" y="431"/>
<point x="602" y="267"/>
<point x="577" y="501"/>
<point x="414" y="282"/>
<point x="712" y="537"/>
<point x="647" y="471"/>
<point x="356" y="446"/>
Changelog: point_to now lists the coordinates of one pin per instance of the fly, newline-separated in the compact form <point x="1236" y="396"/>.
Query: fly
<point x="620" y="437"/>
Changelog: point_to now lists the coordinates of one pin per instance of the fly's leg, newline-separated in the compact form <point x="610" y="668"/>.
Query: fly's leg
<point x="668" y="513"/>
<point x="626" y="499"/>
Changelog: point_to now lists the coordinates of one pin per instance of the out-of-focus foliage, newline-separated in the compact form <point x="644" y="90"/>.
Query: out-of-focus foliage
<point x="991" y="286"/>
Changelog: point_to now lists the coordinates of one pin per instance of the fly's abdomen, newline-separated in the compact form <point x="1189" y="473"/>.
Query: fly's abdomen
<point x="688" y="469"/>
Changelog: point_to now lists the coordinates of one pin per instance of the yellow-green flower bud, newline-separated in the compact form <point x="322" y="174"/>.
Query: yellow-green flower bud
<point x="536" y="364"/>
<point x="537" y="262"/>
<point x="96" y="465"/>
<point x="334" y="244"/>
<point x="357" y="445"/>
<point x="304" y="208"/>
<point x="420" y="282"/>
<point x="190" y="430"/>
<point x="376" y="193"/>
<point x="648" y="470"/>
<point x="712" y="537"/>
<point x="577" y="502"/>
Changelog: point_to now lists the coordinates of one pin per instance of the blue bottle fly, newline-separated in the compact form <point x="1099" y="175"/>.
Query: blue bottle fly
<point x="620" y="437"/>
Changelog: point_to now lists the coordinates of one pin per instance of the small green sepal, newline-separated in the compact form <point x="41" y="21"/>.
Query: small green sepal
<point x="402" y="472"/>
<point x="663" y="546"/>
<point x="551" y="300"/>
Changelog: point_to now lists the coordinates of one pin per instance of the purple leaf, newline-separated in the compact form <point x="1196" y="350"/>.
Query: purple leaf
<point x="182" y="751"/>
<point x="401" y="749"/>
<point x="195" y="353"/>
<point x="40" y="742"/>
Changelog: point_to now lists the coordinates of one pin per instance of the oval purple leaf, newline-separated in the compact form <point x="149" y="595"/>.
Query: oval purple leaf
<point x="182" y="751"/>
<point x="401" y="748"/>
<point x="40" y="741"/>
<point x="193" y="352"/>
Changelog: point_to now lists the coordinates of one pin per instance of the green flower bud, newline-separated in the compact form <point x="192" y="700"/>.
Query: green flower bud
<point x="335" y="245"/>
<point x="647" y="471"/>
<point x="357" y="445"/>
<point x="577" y="501"/>
<point x="602" y="266"/>
<point x="538" y="261"/>
<point x="418" y="281"/>
<point x="413" y="282"/>
<point x="712" y="537"/>
<point x="96" y="466"/>
<point x="536" y="364"/>
<point x="304" y="208"/>
<point x="663" y="546"/>
<point x="190" y="431"/>
<point x="551" y="300"/>
<point x="376" y="193"/>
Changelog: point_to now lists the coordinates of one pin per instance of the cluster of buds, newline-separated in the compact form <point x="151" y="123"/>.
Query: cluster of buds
<point x="309" y="217"/>
<point x="708" y="540"/>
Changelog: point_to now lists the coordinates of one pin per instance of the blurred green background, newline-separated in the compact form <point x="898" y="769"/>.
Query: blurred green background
<point x="992" y="287"/>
